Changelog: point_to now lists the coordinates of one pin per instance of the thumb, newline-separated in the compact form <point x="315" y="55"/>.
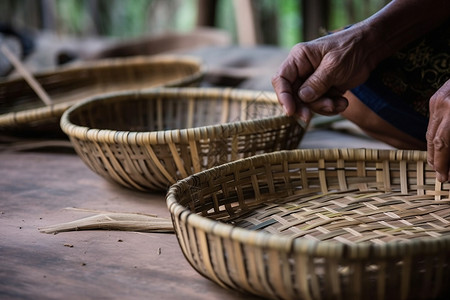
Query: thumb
<point x="315" y="86"/>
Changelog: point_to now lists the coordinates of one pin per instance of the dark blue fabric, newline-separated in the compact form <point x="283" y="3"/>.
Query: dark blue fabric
<point x="392" y="109"/>
<point x="400" y="88"/>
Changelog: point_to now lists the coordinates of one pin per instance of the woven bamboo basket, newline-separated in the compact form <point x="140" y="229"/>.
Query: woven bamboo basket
<point x="21" y="110"/>
<point x="319" y="224"/>
<point x="147" y="140"/>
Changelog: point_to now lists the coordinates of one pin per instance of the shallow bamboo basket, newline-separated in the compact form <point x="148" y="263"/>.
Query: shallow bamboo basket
<point x="147" y="140"/>
<point x="21" y="110"/>
<point x="319" y="224"/>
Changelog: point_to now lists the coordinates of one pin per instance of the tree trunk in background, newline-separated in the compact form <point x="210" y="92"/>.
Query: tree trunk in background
<point x="48" y="13"/>
<point x="21" y="13"/>
<point x="206" y="13"/>
<point x="249" y="33"/>
<point x="315" y="18"/>
<point x="266" y="18"/>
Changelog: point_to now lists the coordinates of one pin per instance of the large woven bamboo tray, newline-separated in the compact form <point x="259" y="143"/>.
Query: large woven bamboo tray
<point x="319" y="224"/>
<point x="147" y="140"/>
<point x="22" y="110"/>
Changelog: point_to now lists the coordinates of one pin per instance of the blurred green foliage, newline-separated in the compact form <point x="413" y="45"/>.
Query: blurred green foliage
<point x="290" y="23"/>
<point x="129" y="18"/>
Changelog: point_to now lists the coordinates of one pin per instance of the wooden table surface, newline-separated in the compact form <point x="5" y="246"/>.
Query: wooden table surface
<point x="35" y="190"/>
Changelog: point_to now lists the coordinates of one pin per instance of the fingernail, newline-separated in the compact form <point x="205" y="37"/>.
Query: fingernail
<point x="439" y="177"/>
<point x="306" y="93"/>
<point x="285" y="110"/>
<point x="327" y="109"/>
<point x="304" y="115"/>
<point x="340" y="107"/>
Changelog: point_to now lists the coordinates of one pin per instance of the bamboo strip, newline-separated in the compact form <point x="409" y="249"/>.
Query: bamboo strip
<point x="114" y="221"/>
<point x="26" y="75"/>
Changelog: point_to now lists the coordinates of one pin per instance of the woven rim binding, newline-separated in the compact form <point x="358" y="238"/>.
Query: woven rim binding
<point x="171" y="135"/>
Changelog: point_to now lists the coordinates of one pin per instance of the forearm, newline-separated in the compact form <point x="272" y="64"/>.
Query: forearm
<point x="401" y="22"/>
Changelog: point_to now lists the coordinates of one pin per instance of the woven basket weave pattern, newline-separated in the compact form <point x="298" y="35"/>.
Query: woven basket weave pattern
<point x="319" y="224"/>
<point x="150" y="139"/>
<point x="21" y="108"/>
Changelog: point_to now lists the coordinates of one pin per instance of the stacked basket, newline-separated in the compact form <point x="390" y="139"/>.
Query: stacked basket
<point x="22" y="111"/>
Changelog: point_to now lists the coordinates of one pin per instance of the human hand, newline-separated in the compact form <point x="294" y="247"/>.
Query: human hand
<point x="316" y="74"/>
<point x="438" y="133"/>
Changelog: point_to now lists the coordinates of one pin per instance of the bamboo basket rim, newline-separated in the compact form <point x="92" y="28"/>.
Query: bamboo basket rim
<point x="171" y="135"/>
<point x="22" y="117"/>
<point x="328" y="249"/>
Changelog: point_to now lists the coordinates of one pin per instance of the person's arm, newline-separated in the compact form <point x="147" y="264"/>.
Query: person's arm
<point x="401" y="22"/>
<point x="317" y="73"/>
